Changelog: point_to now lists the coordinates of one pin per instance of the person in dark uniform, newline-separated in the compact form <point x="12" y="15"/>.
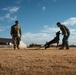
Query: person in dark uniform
<point x="16" y="34"/>
<point x="66" y="33"/>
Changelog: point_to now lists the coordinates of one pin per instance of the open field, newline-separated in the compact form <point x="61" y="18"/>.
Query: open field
<point x="38" y="62"/>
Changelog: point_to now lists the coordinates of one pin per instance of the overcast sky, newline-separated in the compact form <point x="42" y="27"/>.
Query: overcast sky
<point x="38" y="18"/>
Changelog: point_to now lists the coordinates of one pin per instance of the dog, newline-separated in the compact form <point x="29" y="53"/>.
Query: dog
<point x="55" y="40"/>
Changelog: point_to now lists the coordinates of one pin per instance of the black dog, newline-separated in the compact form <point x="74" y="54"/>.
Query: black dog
<point x="55" y="40"/>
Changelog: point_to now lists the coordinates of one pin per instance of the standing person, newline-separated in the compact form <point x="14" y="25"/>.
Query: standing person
<point x="65" y="33"/>
<point x="16" y="34"/>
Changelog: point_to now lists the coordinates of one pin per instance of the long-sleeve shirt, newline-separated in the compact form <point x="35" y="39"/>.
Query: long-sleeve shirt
<point x="64" y="30"/>
<point x="16" y="30"/>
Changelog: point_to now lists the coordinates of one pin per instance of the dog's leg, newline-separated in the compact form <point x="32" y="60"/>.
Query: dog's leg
<point x="57" y="44"/>
<point x="47" y="46"/>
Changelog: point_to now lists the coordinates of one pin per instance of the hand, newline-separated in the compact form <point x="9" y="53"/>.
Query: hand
<point x="66" y="34"/>
<point x="20" y="38"/>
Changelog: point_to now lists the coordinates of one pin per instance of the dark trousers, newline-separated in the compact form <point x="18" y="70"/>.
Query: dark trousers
<point x="65" y="42"/>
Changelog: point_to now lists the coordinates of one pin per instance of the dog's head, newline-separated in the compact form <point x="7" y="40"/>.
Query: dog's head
<point x="58" y="33"/>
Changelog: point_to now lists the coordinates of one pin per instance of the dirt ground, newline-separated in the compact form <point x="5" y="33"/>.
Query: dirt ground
<point x="31" y="61"/>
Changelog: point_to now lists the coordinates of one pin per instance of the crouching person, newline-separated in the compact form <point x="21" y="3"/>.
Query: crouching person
<point x="66" y="33"/>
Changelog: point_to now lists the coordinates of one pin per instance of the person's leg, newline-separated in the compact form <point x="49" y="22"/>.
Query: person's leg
<point x="65" y="42"/>
<point x="67" y="45"/>
<point x="18" y="42"/>
<point x="14" y="42"/>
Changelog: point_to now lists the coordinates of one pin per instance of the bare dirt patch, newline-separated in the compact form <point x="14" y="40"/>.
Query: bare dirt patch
<point x="38" y="62"/>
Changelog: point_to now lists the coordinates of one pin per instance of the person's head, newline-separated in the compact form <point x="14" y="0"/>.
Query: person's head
<point x="58" y="24"/>
<point x="16" y="22"/>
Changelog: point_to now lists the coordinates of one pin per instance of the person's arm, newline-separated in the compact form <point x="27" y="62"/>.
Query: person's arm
<point x="20" y="32"/>
<point x="11" y="31"/>
<point x="64" y="32"/>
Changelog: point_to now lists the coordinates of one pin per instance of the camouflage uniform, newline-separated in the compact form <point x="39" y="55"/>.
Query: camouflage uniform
<point x="16" y="35"/>
<point x="66" y="34"/>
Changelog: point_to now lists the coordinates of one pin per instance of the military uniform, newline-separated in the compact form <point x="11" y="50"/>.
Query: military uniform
<point x="66" y="34"/>
<point x="16" y="35"/>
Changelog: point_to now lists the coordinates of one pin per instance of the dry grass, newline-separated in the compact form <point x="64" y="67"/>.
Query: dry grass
<point x="38" y="62"/>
